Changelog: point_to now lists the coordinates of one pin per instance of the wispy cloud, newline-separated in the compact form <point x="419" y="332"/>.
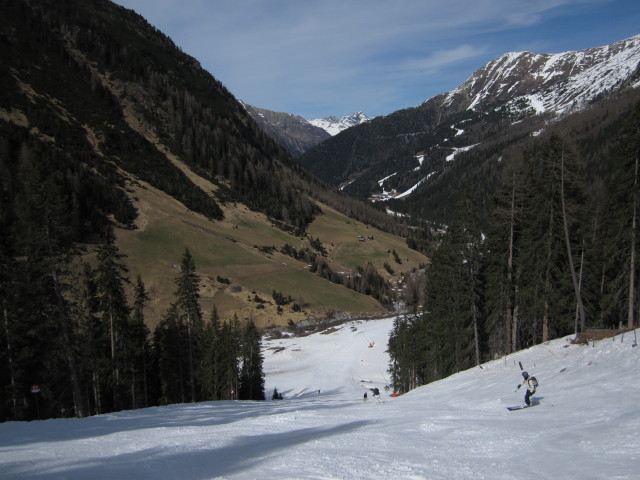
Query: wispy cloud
<point x="321" y="57"/>
<point x="440" y="59"/>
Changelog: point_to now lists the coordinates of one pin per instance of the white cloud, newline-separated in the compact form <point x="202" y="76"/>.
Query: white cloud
<point x="442" y="58"/>
<point x="280" y="53"/>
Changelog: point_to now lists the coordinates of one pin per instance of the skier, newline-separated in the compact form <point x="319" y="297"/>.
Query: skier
<point x="376" y="392"/>
<point x="365" y="396"/>
<point x="531" y="383"/>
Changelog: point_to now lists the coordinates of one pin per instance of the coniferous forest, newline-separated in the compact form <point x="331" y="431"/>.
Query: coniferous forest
<point x="96" y="355"/>
<point x="94" y="100"/>
<point x="558" y="256"/>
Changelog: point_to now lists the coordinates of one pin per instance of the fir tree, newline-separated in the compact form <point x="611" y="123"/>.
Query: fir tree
<point x="190" y="315"/>
<point x="251" y="376"/>
<point x="115" y="321"/>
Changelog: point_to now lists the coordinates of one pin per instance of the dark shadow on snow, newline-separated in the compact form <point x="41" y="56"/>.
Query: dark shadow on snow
<point x="243" y="453"/>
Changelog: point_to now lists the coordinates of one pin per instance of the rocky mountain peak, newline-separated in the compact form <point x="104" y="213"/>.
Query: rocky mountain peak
<point x="550" y="82"/>
<point x="334" y="125"/>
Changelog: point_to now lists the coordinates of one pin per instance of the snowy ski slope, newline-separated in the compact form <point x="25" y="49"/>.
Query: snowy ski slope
<point x="586" y="427"/>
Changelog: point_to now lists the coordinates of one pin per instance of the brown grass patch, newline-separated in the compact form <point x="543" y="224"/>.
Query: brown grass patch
<point x="587" y="336"/>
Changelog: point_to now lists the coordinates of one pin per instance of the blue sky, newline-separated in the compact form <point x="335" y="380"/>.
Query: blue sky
<point x="316" y="58"/>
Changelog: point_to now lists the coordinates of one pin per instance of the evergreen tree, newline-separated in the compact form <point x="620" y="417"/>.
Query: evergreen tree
<point x="251" y="374"/>
<point x="212" y="377"/>
<point x="190" y="315"/>
<point x="619" y="259"/>
<point x="546" y="293"/>
<point x="115" y="324"/>
<point x="46" y="328"/>
<point x="405" y="353"/>
<point x="137" y="351"/>
<point x="230" y="357"/>
<point x="169" y="348"/>
<point x="500" y="267"/>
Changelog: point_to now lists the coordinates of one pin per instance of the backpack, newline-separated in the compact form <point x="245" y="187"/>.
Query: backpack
<point x="533" y="383"/>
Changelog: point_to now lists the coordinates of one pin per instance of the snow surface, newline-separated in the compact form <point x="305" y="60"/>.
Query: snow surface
<point x="456" y="151"/>
<point x="586" y="426"/>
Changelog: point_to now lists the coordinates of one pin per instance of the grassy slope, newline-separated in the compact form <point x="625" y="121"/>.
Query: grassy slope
<point x="227" y="249"/>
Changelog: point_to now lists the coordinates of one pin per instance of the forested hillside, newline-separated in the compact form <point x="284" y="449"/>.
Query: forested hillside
<point x="558" y="254"/>
<point x="132" y="186"/>
<point x="419" y="161"/>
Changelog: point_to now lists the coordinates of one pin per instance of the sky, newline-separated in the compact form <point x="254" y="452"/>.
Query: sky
<point x="335" y="57"/>
<point x="584" y="427"/>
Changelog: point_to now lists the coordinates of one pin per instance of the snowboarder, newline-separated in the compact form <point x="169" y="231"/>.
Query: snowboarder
<point x="531" y="383"/>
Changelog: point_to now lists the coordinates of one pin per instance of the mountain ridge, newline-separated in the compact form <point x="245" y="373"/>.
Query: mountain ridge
<point x="298" y="135"/>
<point x="104" y="109"/>
<point x="293" y="132"/>
<point x="334" y="125"/>
<point x="504" y="103"/>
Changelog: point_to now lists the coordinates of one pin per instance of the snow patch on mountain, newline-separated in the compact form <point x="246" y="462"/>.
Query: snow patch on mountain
<point x="333" y="125"/>
<point x="459" y="150"/>
<point x="556" y="83"/>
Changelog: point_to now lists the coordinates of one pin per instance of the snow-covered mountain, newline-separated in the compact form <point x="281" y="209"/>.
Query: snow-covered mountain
<point x="295" y="133"/>
<point x="585" y="425"/>
<point x="334" y="125"/>
<point x="423" y="152"/>
<point x="555" y="83"/>
<point x="292" y="132"/>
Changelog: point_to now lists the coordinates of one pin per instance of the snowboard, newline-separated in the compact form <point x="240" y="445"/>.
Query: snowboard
<point x="520" y="407"/>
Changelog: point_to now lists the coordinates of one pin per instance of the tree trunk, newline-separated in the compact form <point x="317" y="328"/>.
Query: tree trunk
<point x="191" y="373"/>
<point x="547" y="283"/>
<point x="580" y="327"/>
<point x="12" y="380"/>
<point x="509" y="313"/>
<point x="632" y="257"/>
<point x="76" y="390"/>
<point x="565" y="222"/>
<point x="514" y="329"/>
<point x="475" y="334"/>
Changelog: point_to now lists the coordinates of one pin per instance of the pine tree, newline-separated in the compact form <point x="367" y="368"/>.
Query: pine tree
<point x="545" y="295"/>
<point x="500" y="266"/>
<point x="405" y="354"/>
<point x="115" y="321"/>
<point x="212" y="360"/>
<point x="619" y="259"/>
<point x="230" y="358"/>
<point x="169" y="348"/>
<point x="190" y="314"/>
<point x="251" y="374"/>
<point x="138" y="348"/>
<point x="43" y="241"/>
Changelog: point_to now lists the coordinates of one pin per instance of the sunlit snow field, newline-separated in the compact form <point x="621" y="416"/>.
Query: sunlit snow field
<point x="587" y="425"/>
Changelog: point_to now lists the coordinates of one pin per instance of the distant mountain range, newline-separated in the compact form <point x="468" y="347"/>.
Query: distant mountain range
<point x="298" y="135"/>
<point x="418" y="159"/>
<point x="556" y="83"/>
<point x="334" y="125"/>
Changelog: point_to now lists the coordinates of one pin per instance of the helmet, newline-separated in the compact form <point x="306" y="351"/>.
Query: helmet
<point x="525" y="375"/>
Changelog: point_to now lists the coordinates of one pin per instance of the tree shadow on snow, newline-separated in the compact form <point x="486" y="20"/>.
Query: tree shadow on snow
<point x="243" y="453"/>
<point x="204" y="414"/>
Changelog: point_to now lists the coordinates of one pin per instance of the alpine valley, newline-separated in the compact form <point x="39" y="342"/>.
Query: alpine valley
<point x="419" y="160"/>
<point x="298" y="135"/>
<point x="154" y="226"/>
